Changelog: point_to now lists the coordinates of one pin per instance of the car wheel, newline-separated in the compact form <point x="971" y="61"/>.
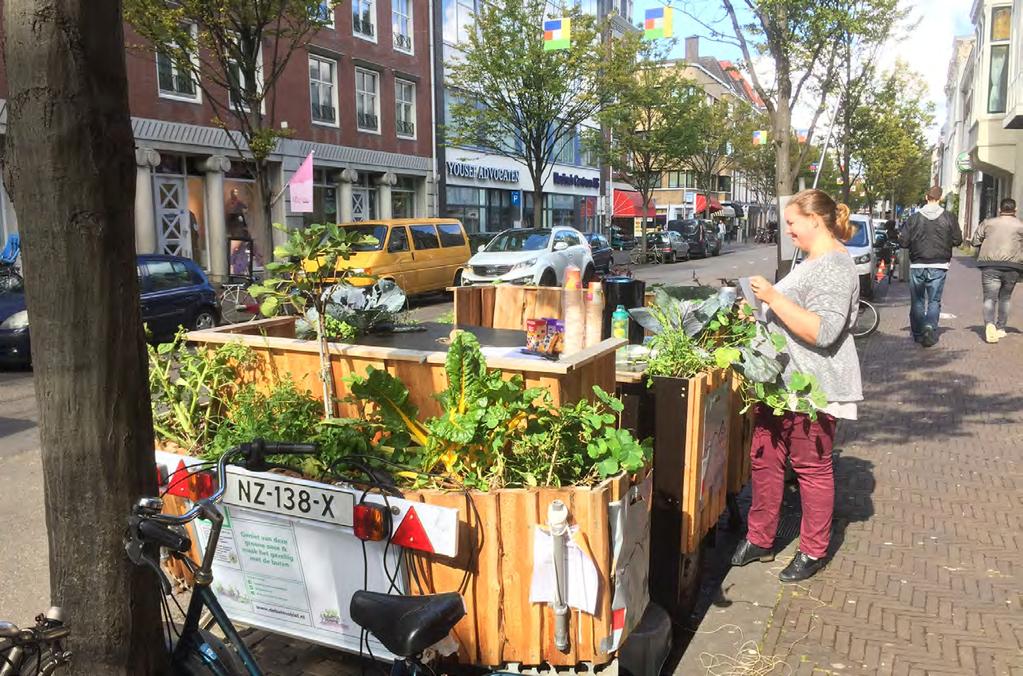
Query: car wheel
<point x="204" y="319"/>
<point x="548" y="278"/>
<point x="588" y="274"/>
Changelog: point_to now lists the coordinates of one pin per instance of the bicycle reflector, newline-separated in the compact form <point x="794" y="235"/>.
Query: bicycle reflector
<point x="192" y="486"/>
<point x="370" y="522"/>
<point x="411" y="534"/>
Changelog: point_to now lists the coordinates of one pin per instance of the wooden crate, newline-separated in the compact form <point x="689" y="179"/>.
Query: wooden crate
<point x="496" y="563"/>
<point x="279" y="354"/>
<point x="506" y="306"/>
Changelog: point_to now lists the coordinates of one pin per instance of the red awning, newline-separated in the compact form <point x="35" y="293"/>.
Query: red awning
<point x="629" y="204"/>
<point x="701" y="204"/>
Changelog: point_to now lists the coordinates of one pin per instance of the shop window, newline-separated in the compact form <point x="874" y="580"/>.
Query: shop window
<point x="176" y="79"/>
<point x="364" y="19"/>
<point x="323" y="90"/>
<point x="424" y="237"/>
<point x="367" y="99"/>
<point x="451" y="235"/>
<point x="243" y="212"/>
<point x="324" y="199"/>
<point x="403" y="198"/>
<point x="405" y="108"/>
<point x="401" y="24"/>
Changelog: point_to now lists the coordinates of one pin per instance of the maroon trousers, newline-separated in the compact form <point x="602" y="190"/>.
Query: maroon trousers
<point x="808" y="443"/>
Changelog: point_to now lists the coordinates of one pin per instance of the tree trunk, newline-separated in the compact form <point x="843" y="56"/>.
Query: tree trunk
<point x="538" y="204"/>
<point x="71" y="172"/>
<point x="783" y="147"/>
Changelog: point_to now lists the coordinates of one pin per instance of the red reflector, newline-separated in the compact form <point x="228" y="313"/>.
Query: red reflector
<point x="251" y="308"/>
<point x="192" y="486"/>
<point x="369" y="522"/>
<point x="411" y="533"/>
<point x="179" y="481"/>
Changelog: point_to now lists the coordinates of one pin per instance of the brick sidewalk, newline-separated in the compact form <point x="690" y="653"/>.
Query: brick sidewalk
<point x="927" y="574"/>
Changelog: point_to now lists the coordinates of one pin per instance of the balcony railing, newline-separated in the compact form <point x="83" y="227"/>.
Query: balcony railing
<point x="369" y="122"/>
<point x="324" y="113"/>
<point x="363" y="26"/>
<point x="406" y="128"/>
<point x="402" y="42"/>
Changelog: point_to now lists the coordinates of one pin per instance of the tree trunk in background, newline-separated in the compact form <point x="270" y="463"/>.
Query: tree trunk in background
<point x="70" y="169"/>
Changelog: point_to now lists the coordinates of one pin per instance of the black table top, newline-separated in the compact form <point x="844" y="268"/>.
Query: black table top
<point x="427" y="340"/>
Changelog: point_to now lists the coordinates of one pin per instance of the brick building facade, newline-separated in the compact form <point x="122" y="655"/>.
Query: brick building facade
<point x="359" y="97"/>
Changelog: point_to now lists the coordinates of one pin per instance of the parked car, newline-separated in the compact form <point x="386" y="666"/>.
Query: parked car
<point x="531" y="256"/>
<point x="700" y="234"/>
<point x="672" y="246"/>
<point x="861" y="248"/>
<point x="600" y="249"/>
<point x="478" y="239"/>
<point x="174" y="291"/>
<point x="419" y="254"/>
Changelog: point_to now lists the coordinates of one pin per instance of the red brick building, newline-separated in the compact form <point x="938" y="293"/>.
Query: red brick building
<point x="360" y="98"/>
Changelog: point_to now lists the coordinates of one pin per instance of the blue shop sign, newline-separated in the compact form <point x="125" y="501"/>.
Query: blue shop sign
<point x="578" y="181"/>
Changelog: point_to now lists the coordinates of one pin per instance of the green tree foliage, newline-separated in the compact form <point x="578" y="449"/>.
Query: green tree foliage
<point x="654" y="127"/>
<point x="236" y="55"/>
<point x="514" y="99"/>
<point x="723" y="127"/>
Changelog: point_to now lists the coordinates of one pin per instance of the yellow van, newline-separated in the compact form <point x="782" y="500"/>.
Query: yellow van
<point x="419" y="254"/>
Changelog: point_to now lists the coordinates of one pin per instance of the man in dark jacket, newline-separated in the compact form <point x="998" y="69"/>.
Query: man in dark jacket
<point x="930" y="236"/>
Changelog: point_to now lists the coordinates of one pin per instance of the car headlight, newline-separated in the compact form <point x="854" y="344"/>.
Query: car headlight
<point x="523" y="265"/>
<point x="19" y="320"/>
<point x="865" y="258"/>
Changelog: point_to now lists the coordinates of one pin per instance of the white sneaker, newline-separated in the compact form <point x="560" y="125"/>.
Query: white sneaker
<point x="1001" y="333"/>
<point x="991" y="333"/>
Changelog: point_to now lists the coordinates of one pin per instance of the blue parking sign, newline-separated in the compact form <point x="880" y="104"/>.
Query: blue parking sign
<point x="516" y="198"/>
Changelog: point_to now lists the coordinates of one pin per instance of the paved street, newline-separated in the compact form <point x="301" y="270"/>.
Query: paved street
<point x="926" y="576"/>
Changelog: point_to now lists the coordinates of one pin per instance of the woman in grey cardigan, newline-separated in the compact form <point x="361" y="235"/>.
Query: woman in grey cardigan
<point x="814" y="307"/>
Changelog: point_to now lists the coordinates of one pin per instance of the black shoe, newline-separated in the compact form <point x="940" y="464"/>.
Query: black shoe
<point x="930" y="337"/>
<point x="801" y="567"/>
<point x="747" y="552"/>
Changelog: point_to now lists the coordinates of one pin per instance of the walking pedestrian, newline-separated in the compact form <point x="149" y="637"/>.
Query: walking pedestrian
<point x="814" y="307"/>
<point x="1001" y="260"/>
<point x="930" y="235"/>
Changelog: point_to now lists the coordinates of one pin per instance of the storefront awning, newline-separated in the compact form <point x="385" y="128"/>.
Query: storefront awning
<point x="737" y="208"/>
<point x="701" y="204"/>
<point x="629" y="204"/>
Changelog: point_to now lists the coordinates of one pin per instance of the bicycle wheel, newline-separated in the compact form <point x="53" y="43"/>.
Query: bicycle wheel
<point x="867" y="320"/>
<point x="237" y="305"/>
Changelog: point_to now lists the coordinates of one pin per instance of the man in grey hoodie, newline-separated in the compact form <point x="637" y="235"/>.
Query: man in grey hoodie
<point x="1001" y="261"/>
<point x="930" y="235"/>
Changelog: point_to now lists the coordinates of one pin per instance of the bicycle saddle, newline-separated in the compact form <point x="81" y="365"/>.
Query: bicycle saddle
<point x="407" y="625"/>
<point x="8" y="630"/>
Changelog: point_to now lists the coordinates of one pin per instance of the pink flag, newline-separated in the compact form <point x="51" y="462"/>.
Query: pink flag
<point x="301" y="186"/>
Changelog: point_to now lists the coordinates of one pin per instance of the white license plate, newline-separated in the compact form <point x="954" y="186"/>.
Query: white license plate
<point x="291" y="498"/>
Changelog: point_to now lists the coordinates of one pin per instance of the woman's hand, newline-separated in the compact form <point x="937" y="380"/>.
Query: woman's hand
<point x="763" y="289"/>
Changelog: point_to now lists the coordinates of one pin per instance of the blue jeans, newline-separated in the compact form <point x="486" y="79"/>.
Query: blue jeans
<point x="925" y="288"/>
<point x="998" y="284"/>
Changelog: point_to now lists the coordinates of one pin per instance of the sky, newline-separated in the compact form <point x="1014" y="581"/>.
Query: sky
<point x="927" y="48"/>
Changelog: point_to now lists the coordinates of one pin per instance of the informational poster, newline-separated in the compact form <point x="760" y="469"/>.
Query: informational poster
<point x="715" y="440"/>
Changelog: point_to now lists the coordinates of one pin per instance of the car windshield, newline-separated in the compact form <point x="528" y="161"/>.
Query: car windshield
<point x="377" y="232"/>
<point x="689" y="228"/>
<point x="520" y="240"/>
<point x="859" y="238"/>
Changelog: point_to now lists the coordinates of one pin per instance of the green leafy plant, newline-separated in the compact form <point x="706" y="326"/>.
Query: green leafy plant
<point x="305" y="265"/>
<point x="189" y="389"/>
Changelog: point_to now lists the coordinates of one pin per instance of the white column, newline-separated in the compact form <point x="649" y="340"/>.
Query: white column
<point x="347" y="178"/>
<point x="278" y="212"/>
<point x="216" y="226"/>
<point x="425" y="207"/>
<point x="385" y="182"/>
<point x="145" y="209"/>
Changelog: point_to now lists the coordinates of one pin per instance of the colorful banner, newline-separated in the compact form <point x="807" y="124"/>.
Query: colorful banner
<point x="657" y="23"/>
<point x="802" y="135"/>
<point x="557" y="34"/>
<point x="760" y="137"/>
<point x="301" y="187"/>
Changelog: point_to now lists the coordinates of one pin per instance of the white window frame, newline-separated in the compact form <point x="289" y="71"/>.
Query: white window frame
<point x="334" y="94"/>
<point x="411" y="27"/>
<point x="173" y="96"/>
<point x="376" y="99"/>
<point x="372" y="19"/>
<point x="398" y="84"/>
<point x="260" y="84"/>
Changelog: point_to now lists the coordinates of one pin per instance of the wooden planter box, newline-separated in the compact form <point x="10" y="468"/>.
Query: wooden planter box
<point x="505" y="306"/>
<point x="495" y="569"/>
<point x="739" y="442"/>
<point x="279" y="354"/>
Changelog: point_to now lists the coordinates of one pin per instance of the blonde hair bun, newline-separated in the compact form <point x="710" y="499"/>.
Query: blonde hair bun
<point x="843" y="229"/>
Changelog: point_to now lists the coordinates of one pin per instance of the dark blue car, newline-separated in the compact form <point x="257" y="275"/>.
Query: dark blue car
<point x="175" y="292"/>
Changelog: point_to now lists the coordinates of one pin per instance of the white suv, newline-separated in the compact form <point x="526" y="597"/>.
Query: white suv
<point x="530" y="256"/>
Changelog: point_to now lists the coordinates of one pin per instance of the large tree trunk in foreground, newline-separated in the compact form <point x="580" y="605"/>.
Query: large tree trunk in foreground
<point x="70" y="169"/>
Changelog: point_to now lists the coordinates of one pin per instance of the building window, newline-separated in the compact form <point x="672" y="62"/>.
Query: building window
<point x="323" y="90"/>
<point x="999" y="78"/>
<point x="176" y="80"/>
<point x="458" y="20"/>
<point x="364" y="19"/>
<point x="565" y="153"/>
<point x="325" y="14"/>
<point x="239" y="96"/>
<point x="401" y="24"/>
<point x="674" y="179"/>
<point x="367" y="100"/>
<point x="724" y="184"/>
<point x="1001" y="24"/>
<point x="405" y="108"/>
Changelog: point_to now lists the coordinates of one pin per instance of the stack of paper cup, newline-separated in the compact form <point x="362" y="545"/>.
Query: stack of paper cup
<point x="575" y="320"/>
<point x="594" y="313"/>
<point x="573" y="278"/>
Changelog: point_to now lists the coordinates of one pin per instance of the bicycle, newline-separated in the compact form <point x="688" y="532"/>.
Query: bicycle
<point x="639" y="257"/>
<point x="41" y="646"/>
<point x="196" y="650"/>
<point x="867" y="320"/>
<point x="236" y="303"/>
